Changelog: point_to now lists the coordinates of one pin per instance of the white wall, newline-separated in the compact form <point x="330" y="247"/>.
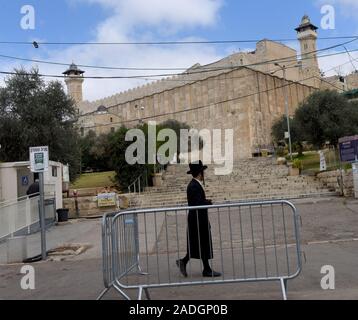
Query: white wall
<point x="8" y="181"/>
<point x="54" y="184"/>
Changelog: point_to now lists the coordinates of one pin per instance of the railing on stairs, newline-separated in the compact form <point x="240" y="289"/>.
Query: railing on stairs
<point x="141" y="182"/>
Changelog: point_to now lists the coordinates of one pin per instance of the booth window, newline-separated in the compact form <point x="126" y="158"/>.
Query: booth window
<point x="54" y="171"/>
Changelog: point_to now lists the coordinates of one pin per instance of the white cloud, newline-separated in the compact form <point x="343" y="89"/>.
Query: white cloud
<point x="346" y="7"/>
<point x="347" y="3"/>
<point x="121" y="25"/>
<point x="127" y="56"/>
<point x="180" y="13"/>
<point x="338" y="64"/>
<point x="156" y="17"/>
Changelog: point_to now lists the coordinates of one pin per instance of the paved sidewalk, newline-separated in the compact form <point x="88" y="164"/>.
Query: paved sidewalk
<point x="82" y="280"/>
<point x="329" y="237"/>
<point x="80" y="231"/>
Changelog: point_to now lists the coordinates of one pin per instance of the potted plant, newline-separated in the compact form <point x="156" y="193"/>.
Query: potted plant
<point x="296" y="168"/>
<point x="157" y="177"/>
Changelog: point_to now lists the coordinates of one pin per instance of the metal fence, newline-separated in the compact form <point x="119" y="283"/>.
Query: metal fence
<point x="21" y="216"/>
<point x="253" y="241"/>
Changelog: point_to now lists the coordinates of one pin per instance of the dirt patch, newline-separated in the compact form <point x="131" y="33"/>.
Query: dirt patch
<point x="67" y="250"/>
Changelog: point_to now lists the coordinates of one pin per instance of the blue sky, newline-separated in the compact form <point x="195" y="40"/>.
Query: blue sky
<point x="156" y="20"/>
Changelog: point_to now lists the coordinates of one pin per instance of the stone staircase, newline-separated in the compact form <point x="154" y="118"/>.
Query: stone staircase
<point x="251" y="179"/>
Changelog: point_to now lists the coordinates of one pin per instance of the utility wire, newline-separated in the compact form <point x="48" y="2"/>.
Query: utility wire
<point x="350" y="58"/>
<point x="145" y="77"/>
<point x="202" y="68"/>
<point x="166" y="42"/>
<point x="331" y="84"/>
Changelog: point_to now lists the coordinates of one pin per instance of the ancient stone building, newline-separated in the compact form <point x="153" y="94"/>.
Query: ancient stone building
<point x="223" y="101"/>
<point x="244" y="92"/>
<point x="341" y="83"/>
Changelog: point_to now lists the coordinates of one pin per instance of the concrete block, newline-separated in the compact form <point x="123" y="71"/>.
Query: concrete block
<point x="16" y="249"/>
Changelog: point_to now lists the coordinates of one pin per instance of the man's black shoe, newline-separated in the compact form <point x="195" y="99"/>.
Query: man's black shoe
<point x="181" y="265"/>
<point x="211" y="274"/>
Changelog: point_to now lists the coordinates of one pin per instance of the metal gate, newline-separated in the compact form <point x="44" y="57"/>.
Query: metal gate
<point x="251" y="242"/>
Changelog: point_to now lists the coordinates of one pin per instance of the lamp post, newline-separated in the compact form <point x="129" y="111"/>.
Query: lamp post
<point x="283" y="68"/>
<point x="139" y="115"/>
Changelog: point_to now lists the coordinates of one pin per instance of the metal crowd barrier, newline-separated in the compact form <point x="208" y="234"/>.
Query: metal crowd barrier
<point x="251" y="242"/>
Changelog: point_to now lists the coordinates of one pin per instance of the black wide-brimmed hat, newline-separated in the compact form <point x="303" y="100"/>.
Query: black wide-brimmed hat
<point x="196" y="167"/>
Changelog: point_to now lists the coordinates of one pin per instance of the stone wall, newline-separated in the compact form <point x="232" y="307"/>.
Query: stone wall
<point x="228" y="100"/>
<point x="88" y="206"/>
<point x="332" y="179"/>
<point x="266" y="50"/>
<point x="335" y="83"/>
<point x="352" y="81"/>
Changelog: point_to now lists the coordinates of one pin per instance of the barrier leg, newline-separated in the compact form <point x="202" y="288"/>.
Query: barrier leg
<point x="140" y="271"/>
<point x="147" y="293"/>
<point x="284" y="288"/>
<point x="120" y="291"/>
<point x="140" y="293"/>
<point x="102" y="294"/>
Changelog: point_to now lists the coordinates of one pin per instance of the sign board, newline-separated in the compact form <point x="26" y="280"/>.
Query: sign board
<point x="106" y="199"/>
<point x="65" y="174"/>
<point x="24" y="181"/>
<point x="287" y="135"/>
<point x="322" y="160"/>
<point x="348" y="149"/>
<point x="39" y="159"/>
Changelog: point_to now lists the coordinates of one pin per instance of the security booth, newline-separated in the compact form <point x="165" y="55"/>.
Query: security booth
<point x="16" y="178"/>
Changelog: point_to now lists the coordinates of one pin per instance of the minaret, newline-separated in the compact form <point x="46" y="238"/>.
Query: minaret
<point x="74" y="80"/>
<point x="307" y="35"/>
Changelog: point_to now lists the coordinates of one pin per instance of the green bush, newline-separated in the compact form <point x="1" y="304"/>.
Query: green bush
<point x="347" y="166"/>
<point x="297" y="163"/>
<point x="281" y="151"/>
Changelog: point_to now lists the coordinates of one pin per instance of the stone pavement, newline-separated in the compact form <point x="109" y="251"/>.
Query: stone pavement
<point x="329" y="237"/>
<point x="75" y="231"/>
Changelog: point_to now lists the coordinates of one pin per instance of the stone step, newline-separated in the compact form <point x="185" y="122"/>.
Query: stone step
<point x="228" y="195"/>
<point x="244" y="171"/>
<point x="236" y="186"/>
<point x="172" y="193"/>
<point x="242" y="184"/>
<point x="250" y="179"/>
<point x="245" y="179"/>
<point x="182" y="202"/>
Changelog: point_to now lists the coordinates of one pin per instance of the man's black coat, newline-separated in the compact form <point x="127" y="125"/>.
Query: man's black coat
<point x="33" y="190"/>
<point x="199" y="244"/>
